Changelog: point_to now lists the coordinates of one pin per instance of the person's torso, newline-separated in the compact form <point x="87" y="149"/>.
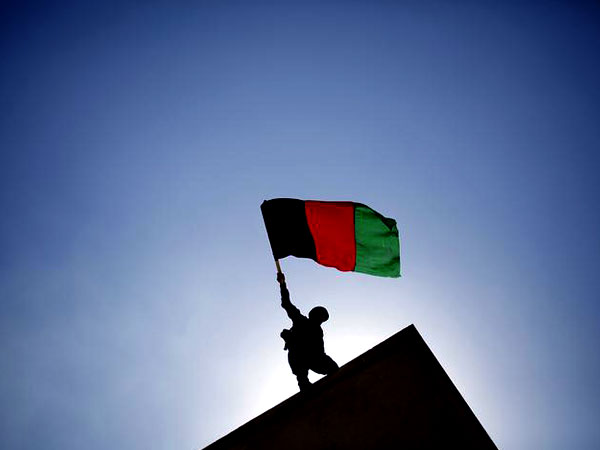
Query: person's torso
<point x="307" y="336"/>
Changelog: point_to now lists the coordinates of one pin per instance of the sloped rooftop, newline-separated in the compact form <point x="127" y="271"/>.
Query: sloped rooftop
<point x="394" y="396"/>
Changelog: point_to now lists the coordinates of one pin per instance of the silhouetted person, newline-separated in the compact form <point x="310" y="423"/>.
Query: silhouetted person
<point x="304" y="341"/>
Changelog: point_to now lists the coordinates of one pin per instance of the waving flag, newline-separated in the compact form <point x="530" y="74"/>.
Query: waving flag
<point x="346" y="235"/>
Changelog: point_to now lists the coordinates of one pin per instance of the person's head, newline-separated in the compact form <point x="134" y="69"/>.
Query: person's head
<point x="318" y="314"/>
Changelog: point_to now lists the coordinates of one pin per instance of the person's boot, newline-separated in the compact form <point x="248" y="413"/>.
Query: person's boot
<point x="303" y="383"/>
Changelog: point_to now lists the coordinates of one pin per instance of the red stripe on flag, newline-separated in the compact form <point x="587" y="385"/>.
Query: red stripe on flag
<point x="332" y="227"/>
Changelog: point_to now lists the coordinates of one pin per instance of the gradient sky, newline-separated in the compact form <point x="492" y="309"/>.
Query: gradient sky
<point x="138" y="301"/>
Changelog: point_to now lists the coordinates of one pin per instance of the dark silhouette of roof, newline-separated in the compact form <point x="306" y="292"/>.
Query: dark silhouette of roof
<point x="394" y="396"/>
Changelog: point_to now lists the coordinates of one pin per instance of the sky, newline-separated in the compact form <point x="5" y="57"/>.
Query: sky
<point x="138" y="302"/>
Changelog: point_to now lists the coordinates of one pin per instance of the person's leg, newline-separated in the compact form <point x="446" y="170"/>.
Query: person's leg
<point x="300" y="369"/>
<point x="324" y="365"/>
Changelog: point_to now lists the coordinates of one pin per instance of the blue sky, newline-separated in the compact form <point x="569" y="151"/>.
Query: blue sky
<point x="139" y="307"/>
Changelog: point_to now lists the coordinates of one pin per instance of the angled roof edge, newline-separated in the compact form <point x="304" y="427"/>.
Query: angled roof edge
<point x="399" y="339"/>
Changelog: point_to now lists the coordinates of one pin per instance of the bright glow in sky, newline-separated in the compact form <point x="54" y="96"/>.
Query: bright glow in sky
<point x="139" y="307"/>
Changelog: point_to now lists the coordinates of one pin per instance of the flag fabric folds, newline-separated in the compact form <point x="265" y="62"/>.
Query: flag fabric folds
<point x="346" y="235"/>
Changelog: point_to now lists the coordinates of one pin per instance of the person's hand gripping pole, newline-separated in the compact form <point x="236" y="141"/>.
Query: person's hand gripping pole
<point x="280" y="275"/>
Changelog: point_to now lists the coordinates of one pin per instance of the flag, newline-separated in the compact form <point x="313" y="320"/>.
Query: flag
<point x="346" y="235"/>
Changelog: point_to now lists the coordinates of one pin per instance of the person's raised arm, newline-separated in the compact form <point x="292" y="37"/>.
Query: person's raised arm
<point x="292" y="312"/>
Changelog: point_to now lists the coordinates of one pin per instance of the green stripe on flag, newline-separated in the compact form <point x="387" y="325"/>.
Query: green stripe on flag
<point x="377" y="243"/>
